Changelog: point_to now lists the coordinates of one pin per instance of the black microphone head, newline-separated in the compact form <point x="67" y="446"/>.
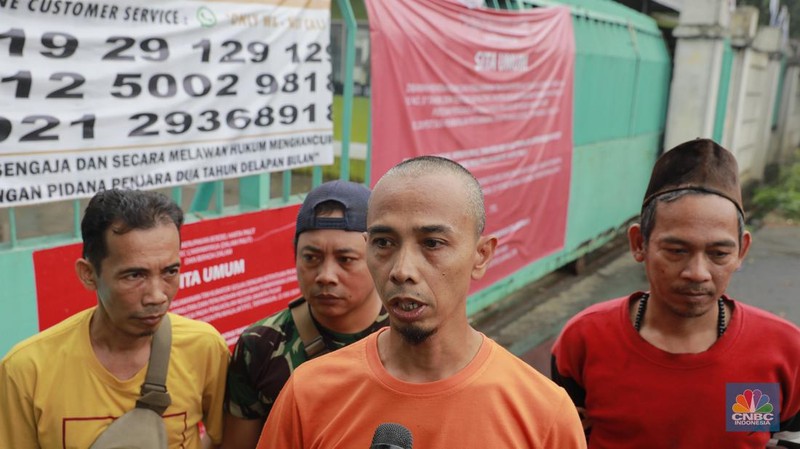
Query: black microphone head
<point x="391" y="436"/>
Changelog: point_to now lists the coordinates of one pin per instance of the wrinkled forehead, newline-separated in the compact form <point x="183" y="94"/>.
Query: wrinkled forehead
<point x="331" y="240"/>
<point x="396" y="189"/>
<point x="409" y="200"/>
<point x="707" y="216"/>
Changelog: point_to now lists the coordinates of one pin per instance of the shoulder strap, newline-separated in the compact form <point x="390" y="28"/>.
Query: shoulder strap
<point x="309" y="334"/>
<point x="154" y="389"/>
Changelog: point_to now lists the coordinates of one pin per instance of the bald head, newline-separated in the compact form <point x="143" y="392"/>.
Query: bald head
<point x="433" y="165"/>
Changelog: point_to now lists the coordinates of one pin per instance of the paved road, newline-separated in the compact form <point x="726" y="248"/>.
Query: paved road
<point x="770" y="275"/>
<point x="769" y="278"/>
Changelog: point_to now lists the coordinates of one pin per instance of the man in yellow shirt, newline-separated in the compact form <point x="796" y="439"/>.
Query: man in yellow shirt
<point x="63" y="387"/>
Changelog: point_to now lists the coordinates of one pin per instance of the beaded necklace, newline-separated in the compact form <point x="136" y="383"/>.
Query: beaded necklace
<point x="637" y="322"/>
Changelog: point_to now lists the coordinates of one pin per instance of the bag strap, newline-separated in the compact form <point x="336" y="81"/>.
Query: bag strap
<point x="309" y="334"/>
<point x="154" y="389"/>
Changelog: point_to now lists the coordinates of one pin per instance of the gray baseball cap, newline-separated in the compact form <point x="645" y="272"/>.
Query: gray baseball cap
<point x="352" y="196"/>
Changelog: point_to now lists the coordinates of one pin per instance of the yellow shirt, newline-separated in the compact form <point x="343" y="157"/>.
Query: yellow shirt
<point x="54" y="393"/>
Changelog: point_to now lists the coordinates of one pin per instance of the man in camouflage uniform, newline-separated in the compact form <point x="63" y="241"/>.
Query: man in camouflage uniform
<point x="337" y="291"/>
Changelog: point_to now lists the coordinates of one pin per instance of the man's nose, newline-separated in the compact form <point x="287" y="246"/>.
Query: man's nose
<point x="404" y="266"/>
<point x="328" y="272"/>
<point x="696" y="269"/>
<point x="157" y="291"/>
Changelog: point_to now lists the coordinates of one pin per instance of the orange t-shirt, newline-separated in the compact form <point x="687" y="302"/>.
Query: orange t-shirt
<point x="497" y="401"/>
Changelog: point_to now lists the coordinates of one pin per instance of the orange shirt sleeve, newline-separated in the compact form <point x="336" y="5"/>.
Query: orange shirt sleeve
<point x="283" y="429"/>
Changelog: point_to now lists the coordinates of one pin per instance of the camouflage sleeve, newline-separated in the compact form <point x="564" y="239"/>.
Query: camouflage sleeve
<point x="241" y="397"/>
<point x="257" y="372"/>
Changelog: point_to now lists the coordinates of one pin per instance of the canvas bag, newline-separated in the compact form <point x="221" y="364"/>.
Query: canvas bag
<point x="143" y="427"/>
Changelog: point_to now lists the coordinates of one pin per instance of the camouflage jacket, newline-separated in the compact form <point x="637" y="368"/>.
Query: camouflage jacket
<point x="265" y="356"/>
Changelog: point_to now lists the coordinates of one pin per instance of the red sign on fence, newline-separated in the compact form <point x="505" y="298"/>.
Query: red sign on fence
<point x="235" y="270"/>
<point x="491" y="90"/>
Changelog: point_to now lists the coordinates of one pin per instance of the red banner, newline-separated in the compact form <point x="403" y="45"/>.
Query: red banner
<point x="492" y="90"/>
<point x="234" y="271"/>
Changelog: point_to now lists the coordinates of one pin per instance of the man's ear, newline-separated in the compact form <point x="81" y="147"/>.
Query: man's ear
<point x="747" y="239"/>
<point x="86" y="274"/>
<point x="636" y="241"/>
<point x="484" y="253"/>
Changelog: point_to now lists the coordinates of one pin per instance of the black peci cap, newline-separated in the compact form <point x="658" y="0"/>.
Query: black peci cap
<point x="699" y="164"/>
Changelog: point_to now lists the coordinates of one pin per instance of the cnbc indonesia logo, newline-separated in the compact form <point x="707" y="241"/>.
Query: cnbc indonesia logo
<point x="752" y="409"/>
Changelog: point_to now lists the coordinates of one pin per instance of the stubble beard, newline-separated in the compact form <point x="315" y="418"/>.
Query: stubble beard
<point x="694" y="310"/>
<point x="415" y="335"/>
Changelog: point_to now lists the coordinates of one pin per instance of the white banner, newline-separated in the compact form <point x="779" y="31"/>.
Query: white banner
<point x="142" y="94"/>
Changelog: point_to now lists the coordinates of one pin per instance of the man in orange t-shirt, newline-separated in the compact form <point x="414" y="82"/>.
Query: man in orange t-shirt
<point x="430" y="372"/>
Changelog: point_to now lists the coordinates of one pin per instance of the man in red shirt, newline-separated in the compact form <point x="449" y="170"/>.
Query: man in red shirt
<point x="683" y="364"/>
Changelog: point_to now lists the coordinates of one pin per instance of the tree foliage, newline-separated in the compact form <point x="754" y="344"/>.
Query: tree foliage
<point x="764" y="14"/>
<point x="782" y="198"/>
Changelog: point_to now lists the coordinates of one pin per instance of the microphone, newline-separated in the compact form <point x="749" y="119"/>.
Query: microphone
<point x="391" y="436"/>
